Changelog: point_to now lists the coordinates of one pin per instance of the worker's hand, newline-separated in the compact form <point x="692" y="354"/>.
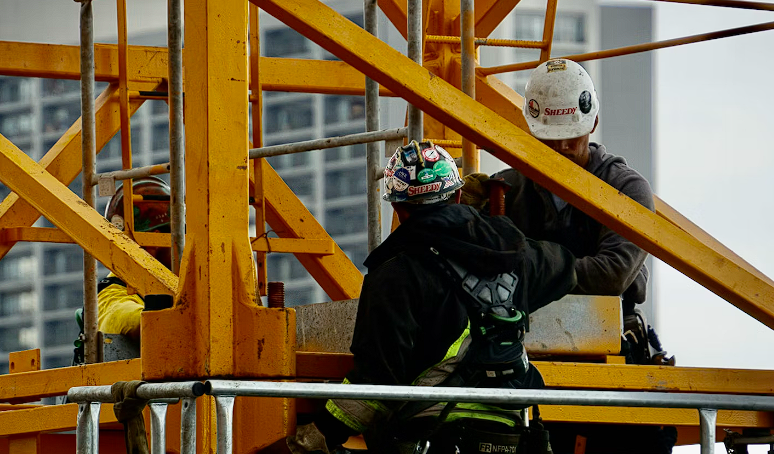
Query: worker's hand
<point x="308" y="439"/>
<point x="474" y="192"/>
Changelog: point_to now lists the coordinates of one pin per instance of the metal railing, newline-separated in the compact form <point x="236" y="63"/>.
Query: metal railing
<point x="225" y="392"/>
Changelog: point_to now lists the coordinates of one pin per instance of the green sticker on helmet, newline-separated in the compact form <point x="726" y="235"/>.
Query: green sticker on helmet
<point x="426" y="175"/>
<point x="442" y="168"/>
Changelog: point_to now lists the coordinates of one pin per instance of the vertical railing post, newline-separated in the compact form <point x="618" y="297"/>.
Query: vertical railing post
<point x="158" y="413"/>
<point x="414" y="36"/>
<point x="188" y="426"/>
<point x="87" y="429"/>
<point x="89" y="160"/>
<point x="470" y="159"/>
<point x="372" y="148"/>
<point x="176" y="136"/>
<point x="707" y="422"/>
<point x="224" y="408"/>
<point x="548" y="30"/>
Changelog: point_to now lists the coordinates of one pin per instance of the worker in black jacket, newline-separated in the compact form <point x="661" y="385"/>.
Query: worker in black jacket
<point x="413" y="325"/>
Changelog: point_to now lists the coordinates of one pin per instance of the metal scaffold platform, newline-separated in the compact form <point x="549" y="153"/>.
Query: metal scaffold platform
<point x="218" y="330"/>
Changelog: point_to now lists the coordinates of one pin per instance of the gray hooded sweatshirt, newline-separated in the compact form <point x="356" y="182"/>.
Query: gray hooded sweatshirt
<point x="607" y="263"/>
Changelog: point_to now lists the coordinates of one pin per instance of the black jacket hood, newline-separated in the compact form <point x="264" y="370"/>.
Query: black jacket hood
<point x="458" y="232"/>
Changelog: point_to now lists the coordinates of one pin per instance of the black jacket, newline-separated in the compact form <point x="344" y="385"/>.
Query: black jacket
<point x="608" y="264"/>
<point x="409" y="314"/>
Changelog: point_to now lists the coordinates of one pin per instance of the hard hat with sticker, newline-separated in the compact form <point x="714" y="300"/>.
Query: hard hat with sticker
<point x="433" y="177"/>
<point x="560" y="101"/>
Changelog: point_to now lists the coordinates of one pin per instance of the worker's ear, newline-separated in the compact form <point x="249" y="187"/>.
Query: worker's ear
<point x="596" y="122"/>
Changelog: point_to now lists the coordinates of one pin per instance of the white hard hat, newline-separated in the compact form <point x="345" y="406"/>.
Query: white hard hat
<point x="560" y="101"/>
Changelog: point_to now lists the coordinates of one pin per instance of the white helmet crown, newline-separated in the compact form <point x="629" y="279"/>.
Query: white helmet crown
<point x="560" y="101"/>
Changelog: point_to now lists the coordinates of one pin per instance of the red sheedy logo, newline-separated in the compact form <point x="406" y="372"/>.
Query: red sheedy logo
<point x="568" y="111"/>
<point x="424" y="189"/>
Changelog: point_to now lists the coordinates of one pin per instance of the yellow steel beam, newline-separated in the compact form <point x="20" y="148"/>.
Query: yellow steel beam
<point x="289" y="218"/>
<point x="515" y="147"/>
<point x="63" y="160"/>
<point x="88" y="228"/>
<point x="217" y="327"/>
<point x="31" y="386"/>
<point x="294" y="245"/>
<point x="670" y="214"/>
<point x="50" y="418"/>
<point x="147" y="64"/>
<point x="396" y="12"/>
<point x="655" y="416"/>
<point x="627" y="377"/>
<point x="150" y="63"/>
<point x="489" y="14"/>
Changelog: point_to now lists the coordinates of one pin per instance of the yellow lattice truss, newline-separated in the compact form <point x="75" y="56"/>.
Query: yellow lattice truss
<point x="215" y="328"/>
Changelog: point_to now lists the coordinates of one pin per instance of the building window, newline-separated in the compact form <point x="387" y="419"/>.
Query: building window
<point x="60" y="332"/>
<point x="357" y="253"/>
<point x="59" y="117"/>
<point x="345" y="220"/>
<point x="58" y="87"/>
<point x="298" y="296"/>
<point x="289" y="116"/>
<point x="160" y="136"/>
<point x="340" y="109"/>
<point x="284" y="41"/>
<point x="66" y="259"/>
<point x="346" y="182"/>
<point x="301" y="185"/>
<point x="16" y="124"/>
<point x="53" y="362"/>
<point x="63" y="296"/>
<point x="568" y="28"/>
<point x="18" y="267"/>
<point x="16" y="303"/>
<point x="13" y="89"/>
<point x="17" y="338"/>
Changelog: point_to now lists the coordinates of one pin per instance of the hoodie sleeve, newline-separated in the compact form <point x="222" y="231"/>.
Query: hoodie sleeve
<point x="549" y="270"/>
<point x="617" y="267"/>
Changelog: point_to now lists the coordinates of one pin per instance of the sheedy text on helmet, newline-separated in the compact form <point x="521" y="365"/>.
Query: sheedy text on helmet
<point x="424" y="189"/>
<point x="568" y="111"/>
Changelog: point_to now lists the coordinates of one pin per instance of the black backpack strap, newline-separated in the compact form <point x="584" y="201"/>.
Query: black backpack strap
<point x="108" y="281"/>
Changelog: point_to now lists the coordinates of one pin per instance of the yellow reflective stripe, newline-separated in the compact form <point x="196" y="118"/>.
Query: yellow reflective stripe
<point x="341" y="415"/>
<point x="453" y="416"/>
<point x="451" y="352"/>
<point x="455" y="347"/>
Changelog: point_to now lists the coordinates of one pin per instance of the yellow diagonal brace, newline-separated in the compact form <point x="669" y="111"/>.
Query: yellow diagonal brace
<point x="82" y="223"/>
<point x="513" y="146"/>
<point x="63" y="161"/>
<point x="289" y="218"/>
<point x="395" y="10"/>
<point x="489" y="14"/>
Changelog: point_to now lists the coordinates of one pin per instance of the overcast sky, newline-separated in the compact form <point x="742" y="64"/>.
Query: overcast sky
<point x="714" y="163"/>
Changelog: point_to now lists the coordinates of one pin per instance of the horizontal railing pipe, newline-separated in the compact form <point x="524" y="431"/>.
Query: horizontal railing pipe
<point x="144" y="391"/>
<point x="491" y="395"/>
<point x="330" y="142"/>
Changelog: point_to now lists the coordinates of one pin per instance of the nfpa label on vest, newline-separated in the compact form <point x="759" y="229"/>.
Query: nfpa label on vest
<point x="489" y="447"/>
